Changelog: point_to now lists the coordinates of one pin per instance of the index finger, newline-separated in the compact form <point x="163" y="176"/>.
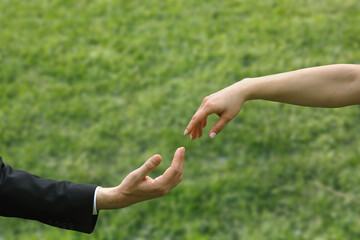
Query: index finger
<point x="197" y="119"/>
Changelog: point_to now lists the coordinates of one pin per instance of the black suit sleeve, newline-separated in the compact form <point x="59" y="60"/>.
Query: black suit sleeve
<point x="58" y="203"/>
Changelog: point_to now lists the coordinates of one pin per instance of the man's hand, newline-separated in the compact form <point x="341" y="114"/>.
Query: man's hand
<point x="137" y="186"/>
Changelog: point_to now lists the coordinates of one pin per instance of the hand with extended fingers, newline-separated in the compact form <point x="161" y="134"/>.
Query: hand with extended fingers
<point x="138" y="186"/>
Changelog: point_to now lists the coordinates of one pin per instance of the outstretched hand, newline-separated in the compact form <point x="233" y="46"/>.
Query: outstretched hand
<point x="138" y="186"/>
<point x="226" y="104"/>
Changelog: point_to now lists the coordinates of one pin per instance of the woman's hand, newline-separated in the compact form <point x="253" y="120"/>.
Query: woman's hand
<point x="226" y="104"/>
<point x="138" y="187"/>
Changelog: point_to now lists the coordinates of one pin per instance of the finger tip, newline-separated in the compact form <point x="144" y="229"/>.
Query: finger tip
<point x="178" y="152"/>
<point x="181" y="149"/>
<point x="157" y="156"/>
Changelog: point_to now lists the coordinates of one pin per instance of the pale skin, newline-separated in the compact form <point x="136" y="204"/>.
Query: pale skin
<point x="329" y="86"/>
<point x="138" y="186"/>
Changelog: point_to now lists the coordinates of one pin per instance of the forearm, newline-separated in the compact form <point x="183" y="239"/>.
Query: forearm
<point x="325" y="86"/>
<point x="58" y="203"/>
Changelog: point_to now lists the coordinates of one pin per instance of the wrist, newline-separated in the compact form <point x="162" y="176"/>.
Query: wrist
<point x="107" y="198"/>
<point x="244" y="88"/>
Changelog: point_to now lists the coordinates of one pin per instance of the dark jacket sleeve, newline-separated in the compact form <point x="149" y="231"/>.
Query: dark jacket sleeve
<point x="58" y="203"/>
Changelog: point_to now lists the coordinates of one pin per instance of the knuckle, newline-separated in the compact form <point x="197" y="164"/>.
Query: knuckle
<point x="216" y="128"/>
<point x="206" y="99"/>
<point x="226" y="118"/>
<point x="209" y="105"/>
<point x="134" y="173"/>
<point x="176" y="171"/>
<point x="149" y="164"/>
<point x="162" y="191"/>
<point x="159" y="189"/>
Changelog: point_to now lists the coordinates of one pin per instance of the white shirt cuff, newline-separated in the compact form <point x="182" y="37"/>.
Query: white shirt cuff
<point x="94" y="206"/>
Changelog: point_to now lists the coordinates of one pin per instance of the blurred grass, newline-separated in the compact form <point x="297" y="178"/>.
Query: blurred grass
<point x="91" y="89"/>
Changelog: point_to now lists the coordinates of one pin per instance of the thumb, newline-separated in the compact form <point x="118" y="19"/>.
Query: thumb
<point x="149" y="165"/>
<point x="219" y="125"/>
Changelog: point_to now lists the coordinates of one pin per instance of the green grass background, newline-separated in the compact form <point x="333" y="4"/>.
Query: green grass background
<point x="90" y="89"/>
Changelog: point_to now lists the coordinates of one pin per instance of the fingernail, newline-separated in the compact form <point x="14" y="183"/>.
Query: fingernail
<point x="186" y="132"/>
<point x="213" y="134"/>
<point x="191" y="137"/>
